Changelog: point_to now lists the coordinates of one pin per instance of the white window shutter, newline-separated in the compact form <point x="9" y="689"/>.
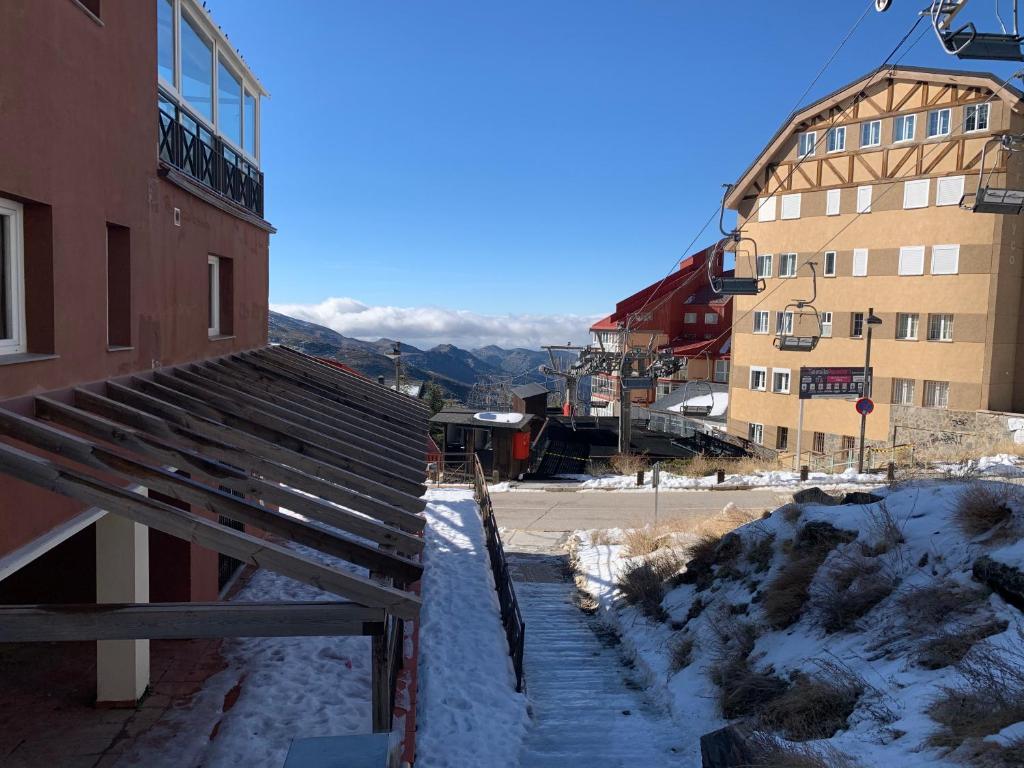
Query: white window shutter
<point x="791" y="206"/>
<point x="949" y="191"/>
<point x="863" y="199"/>
<point x="912" y="260"/>
<point x="766" y="209"/>
<point x="832" y="202"/>
<point x="915" y="193"/>
<point x="860" y="261"/>
<point x="945" y="259"/>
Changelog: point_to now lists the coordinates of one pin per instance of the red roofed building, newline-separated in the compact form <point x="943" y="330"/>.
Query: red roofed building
<point x="681" y="314"/>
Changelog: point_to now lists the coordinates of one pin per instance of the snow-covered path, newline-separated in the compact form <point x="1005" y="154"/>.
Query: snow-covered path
<point x="586" y="709"/>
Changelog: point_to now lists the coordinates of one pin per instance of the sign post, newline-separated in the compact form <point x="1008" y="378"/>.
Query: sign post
<point x="655" y="480"/>
<point x="829" y="383"/>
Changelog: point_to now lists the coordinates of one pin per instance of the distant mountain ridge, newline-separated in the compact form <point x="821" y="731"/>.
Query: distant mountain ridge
<point x="455" y="369"/>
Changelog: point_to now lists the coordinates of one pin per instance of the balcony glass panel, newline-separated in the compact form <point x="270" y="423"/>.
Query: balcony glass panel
<point x="165" y="40"/>
<point x="229" y="105"/>
<point x="196" y="69"/>
<point x="249" y="145"/>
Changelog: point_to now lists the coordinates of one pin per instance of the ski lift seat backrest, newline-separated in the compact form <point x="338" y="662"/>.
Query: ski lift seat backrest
<point x="967" y="43"/>
<point x="796" y="343"/>
<point x="741" y="286"/>
<point x="995" y="200"/>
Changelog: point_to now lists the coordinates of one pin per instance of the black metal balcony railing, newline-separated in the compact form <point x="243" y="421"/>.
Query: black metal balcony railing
<point x="192" y="148"/>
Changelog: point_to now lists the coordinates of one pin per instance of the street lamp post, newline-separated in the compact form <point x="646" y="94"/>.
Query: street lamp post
<point x="869" y="321"/>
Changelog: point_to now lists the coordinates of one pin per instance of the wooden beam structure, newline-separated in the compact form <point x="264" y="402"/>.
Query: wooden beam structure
<point x="177" y="621"/>
<point x="185" y="525"/>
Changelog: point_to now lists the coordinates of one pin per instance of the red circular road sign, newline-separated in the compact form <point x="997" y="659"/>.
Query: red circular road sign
<point x="864" y="406"/>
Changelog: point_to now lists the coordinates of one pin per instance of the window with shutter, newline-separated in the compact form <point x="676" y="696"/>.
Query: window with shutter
<point x="766" y="209"/>
<point x="915" y="193"/>
<point x="945" y="259"/>
<point x="830" y="264"/>
<point x="832" y="201"/>
<point x="949" y="191"/>
<point x="912" y="260"/>
<point x="863" y="199"/>
<point x="860" y="262"/>
<point x="791" y="206"/>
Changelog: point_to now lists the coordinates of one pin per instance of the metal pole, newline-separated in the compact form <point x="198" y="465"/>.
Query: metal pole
<point x="799" y="436"/>
<point x="867" y="389"/>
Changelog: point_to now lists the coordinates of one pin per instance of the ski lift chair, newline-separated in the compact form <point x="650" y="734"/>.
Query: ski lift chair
<point x="691" y="391"/>
<point x="990" y="199"/>
<point x="735" y="286"/>
<point x="804" y="333"/>
<point x="966" y="42"/>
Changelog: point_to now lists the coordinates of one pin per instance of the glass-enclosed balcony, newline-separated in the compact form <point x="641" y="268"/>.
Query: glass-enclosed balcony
<point x="208" y="105"/>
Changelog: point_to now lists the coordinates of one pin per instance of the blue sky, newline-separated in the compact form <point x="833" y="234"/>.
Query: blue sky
<point x="535" y="157"/>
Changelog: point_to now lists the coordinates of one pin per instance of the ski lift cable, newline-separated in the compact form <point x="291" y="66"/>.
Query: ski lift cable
<point x="821" y="249"/>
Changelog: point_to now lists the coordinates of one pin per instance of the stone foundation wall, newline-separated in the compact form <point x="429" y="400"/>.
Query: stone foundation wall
<point x="952" y="433"/>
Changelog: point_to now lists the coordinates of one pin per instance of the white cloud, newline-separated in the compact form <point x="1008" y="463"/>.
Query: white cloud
<point x="427" y="326"/>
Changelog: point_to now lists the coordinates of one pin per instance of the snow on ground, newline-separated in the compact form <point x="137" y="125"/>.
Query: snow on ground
<point x="287" y="687"/>
<point x="468" y="710"/>
<point x="880" y="647"/>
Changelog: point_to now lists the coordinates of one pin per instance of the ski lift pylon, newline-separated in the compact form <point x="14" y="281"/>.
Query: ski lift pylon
<point x="798" y="337"/>
<point x="990" y="199"/>
<point x="965" y="41"/>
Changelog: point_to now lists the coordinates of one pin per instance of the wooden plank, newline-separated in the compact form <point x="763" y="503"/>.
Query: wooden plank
<point x="221" y="374"/>
<point x="182" y="488"/>
<point x="250" y="463"/>
<point x="178" y="621"/>
<point x="198" y="530"/>
<point x="383" y="419"/>
<point x="309" y="461"/>
<point x="242" y="404"/>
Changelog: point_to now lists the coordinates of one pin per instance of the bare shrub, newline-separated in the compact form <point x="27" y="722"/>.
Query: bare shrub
<point x="984" y="506"/>
<point x="760" y="552"/>
<point x="791" y="512"/>
<point x="929" y="607"/>
<point x="850" y="589"/>
<point x="702" y="466"/>
<point x="769" y="752"/>
<point x="813" y="707"/>
<point x="742" y="690"/>
<point x="884" y="530"/>
<point x="680" y="652"/>
<point x="989" y="698"/>
<point x="643" y="584"/>
<point x="951" y="646"/>
<point x="703" y="548"/>
<point x="600" y="538"/>
<point x="642" y="541"/>
<point x="628" y="463"/>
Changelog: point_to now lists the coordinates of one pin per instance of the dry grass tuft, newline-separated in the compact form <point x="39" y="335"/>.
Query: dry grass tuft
<point x="884" y="530"/>
<point x="791" y="512"/>
<point x="600" y="538"/>
<point x="628" y="463"/>
<point x="990" y="697"/>
<point x="851" y="589"/>
<point x="643" y="584"/>
<point x="760" y="552"/>
<point x="680" y="652"/>
<point x="813" y="707"/>
<point x="703" y="549"/>
<point x="702" y="466"/>
<point x="984" y="506"/>
<point x="951" y="646"/>
<point x="742" y="690"/>
<point x="643" y="541"/>
<point x="929" y="607"/>
<point x="770" y="752"/>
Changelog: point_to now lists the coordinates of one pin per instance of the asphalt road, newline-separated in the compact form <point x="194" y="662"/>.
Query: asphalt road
<point x="572" y="510"/>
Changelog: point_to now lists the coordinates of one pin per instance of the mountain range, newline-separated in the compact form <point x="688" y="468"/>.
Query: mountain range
<point x="455" y="370"/>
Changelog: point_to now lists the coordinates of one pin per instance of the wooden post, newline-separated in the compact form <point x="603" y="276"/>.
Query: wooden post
<point x="720" y="476"/>
<point x="804" y="470"/>
<point x="380" y="684"/>
<point x="890" y="472"/>
<point x="639" y="477"/>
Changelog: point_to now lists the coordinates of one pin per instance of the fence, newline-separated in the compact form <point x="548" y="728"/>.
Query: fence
<point x="452" y="468"/>
<point x="511" y="617"/>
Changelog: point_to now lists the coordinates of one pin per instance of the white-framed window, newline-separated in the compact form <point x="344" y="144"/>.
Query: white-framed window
<point x="826" y="324"/>
<point x="936" y="394"/>
<point x="976" y="117"/>
<point x="902" y="391"/>
<point x="760" y="321"/>
<point x="906" y="326"/>
<point x="945" y="259"/>
<point x="864" y="199"/>
<point x="213" y="294"/>
<point x="860" y="262"/>
<point x="758" y="378"/>
<point x="787" y="265"/>
<point x="806" y="143"/>
<point x="949" y="190"/>
<point x="764" y="265"/>
<point x="911" y="260"/>
<point x="915" y="193"/>
<point x="710" y="318"/>
<point x="722" y="371"/>
<point x="871" y="133"/>
<point x="12" y="278"/>
<point x="856" y="324"/>
<point x="903" y="128"/>
<point x="938" y="122"/>
<point x="832" y="200"/>
<point x="755" y="433"/>
<point x="780" y="380"/>
<point x="783" y="323"/>
<point x="791" y="206"/>
<point x="836" y="139"/>
<point x="829" y="268"/>
<point x="766" y="209"/>
<point x="940" y="327"/>
<point x="689" y="317"/>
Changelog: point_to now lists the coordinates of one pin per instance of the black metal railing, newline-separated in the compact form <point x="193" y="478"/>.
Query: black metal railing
<point x="511" y="617"/>
<point x="188" y="145"/>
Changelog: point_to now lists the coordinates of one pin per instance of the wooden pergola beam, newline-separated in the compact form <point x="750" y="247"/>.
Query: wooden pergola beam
<point x="333" y="424"/>
<point x="189" y="490"/>
<point x="311" y="460"/>
<point x="185" y="525"/>
<point x="178" y="621"/>
<point x="382" y="418"/>
<point x="155" y="427"/>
